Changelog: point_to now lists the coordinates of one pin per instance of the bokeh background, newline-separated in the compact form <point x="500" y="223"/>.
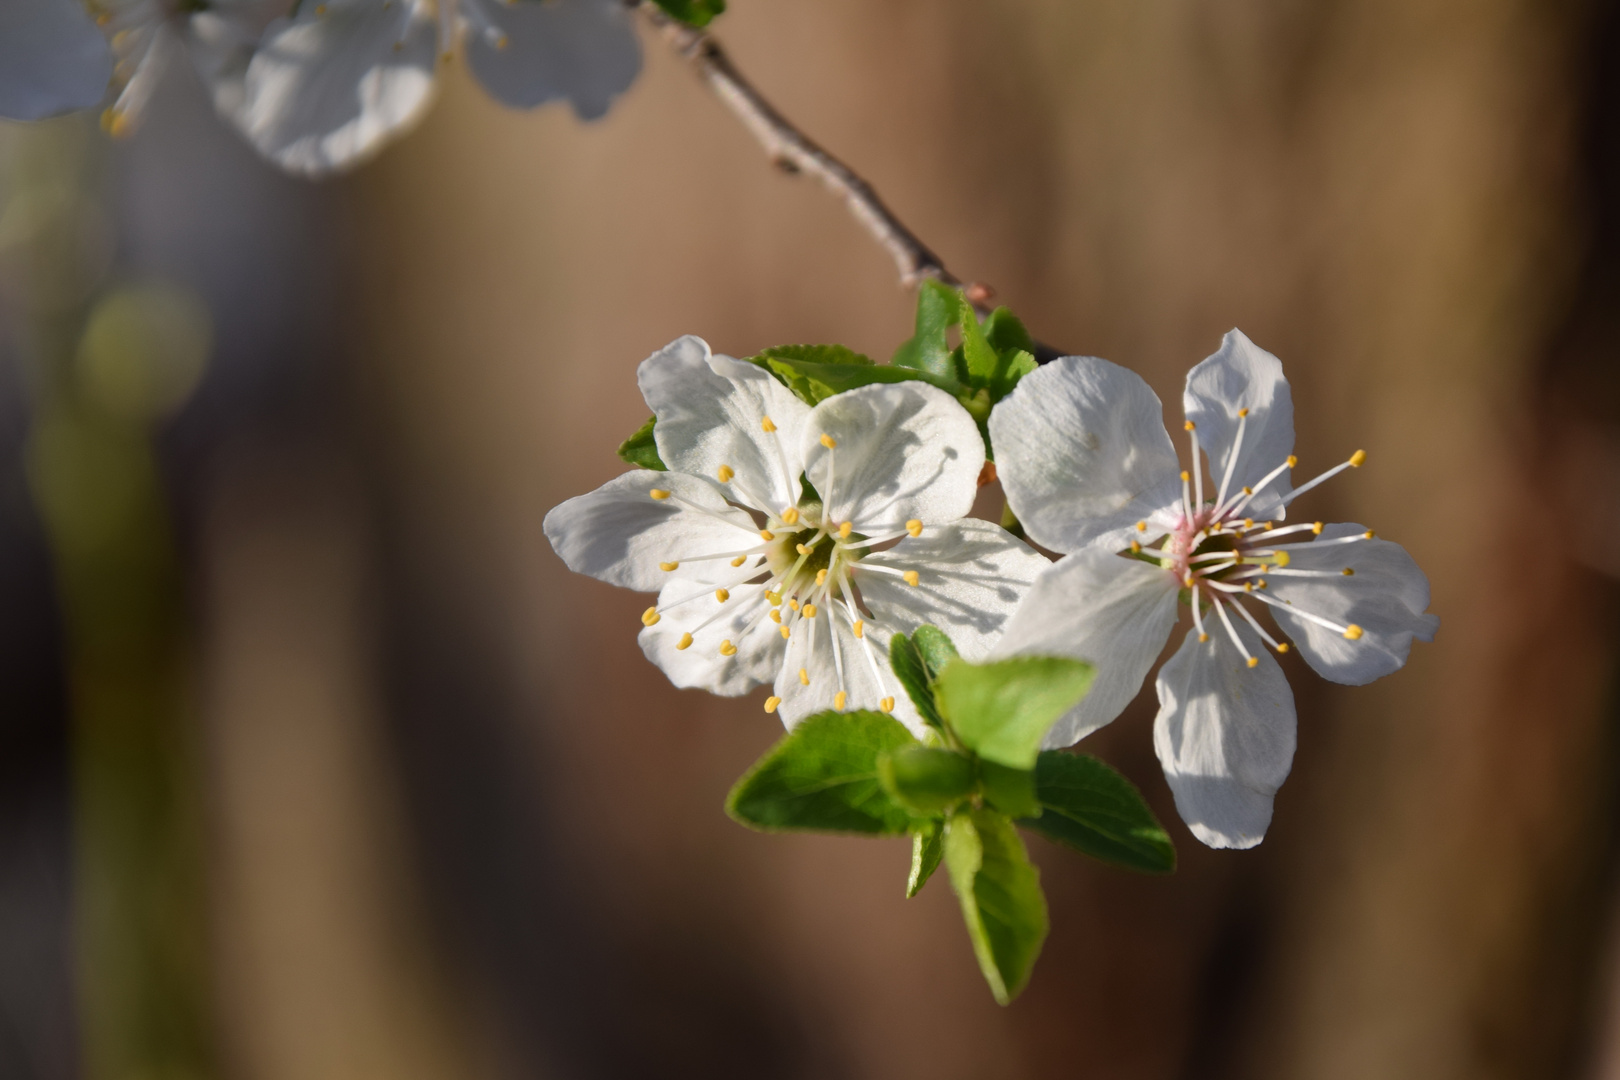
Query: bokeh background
<point x="316" y="763"/>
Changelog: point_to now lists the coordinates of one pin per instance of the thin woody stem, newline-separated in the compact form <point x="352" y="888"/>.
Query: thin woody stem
<point x="791" y="150"/>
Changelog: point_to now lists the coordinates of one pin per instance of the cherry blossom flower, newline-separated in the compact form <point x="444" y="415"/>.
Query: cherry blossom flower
<point x="1090" y="470"/>
<point x="761" y="578"/>
<point x="53" y="60"/>
<point x="329" y="85"/>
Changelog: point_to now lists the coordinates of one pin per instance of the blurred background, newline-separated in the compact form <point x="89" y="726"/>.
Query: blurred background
<point x="316" y="763"/>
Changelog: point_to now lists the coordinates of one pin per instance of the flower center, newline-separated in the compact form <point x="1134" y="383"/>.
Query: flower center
<point x="1220" y="556"/>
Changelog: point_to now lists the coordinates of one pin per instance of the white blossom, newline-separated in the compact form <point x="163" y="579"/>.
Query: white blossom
<point x="52" y="59"/>
<point x="762" y="580"/>
<point x="1090" y="470"/>
<point x="332" y="83"/>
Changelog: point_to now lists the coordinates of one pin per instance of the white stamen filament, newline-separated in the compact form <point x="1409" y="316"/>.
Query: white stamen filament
<point x="1231" y="457"/>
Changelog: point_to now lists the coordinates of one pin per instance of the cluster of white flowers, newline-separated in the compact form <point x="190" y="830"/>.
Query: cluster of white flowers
<point x="788" y="543"/>
<point x="314" y="85"/>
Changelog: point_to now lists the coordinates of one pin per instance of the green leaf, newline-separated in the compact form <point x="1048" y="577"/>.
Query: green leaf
<point x="1012" y="791"/>
<point x="817" y="372"/>
<point x="640" y="449"/>
<point x="907" y="662"/>
<point x="978" y="357"/>
<point x="823" y="777"/>
<point x="1006" y="333"/>
<point x="1014" y="366"/>
<point x="938" y="309"/>
<point x="927" y="848"/>
<point x="692" y="12"/>
<point x="935" y="647"/>
<point x="1003" y="709"/>
<point x="1091" y="807"/>
<point x="1002" y="902"/>
<point x="927" y="781"/>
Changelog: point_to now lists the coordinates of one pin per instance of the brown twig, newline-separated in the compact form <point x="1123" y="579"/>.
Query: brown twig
<point x="791" y="150"/>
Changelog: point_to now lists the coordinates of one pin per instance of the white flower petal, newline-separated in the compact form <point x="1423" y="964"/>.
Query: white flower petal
<point x="1241" y="375"/>
<point x="1386" y="597"/>
<point x="52" y="59"/>
<point x="1113" y="613"/>
<point x="1082" y="454"/>
<point x="583" y="50"/>
<point x="619" y="533"/>
<point x="712" y="412"/>
<point x="971" y="576"/>
<point x="332" y="85"/>
<point x="904" y="451"/>
<point x="1225" y="736"/>
<point x="813" y="653"/>
<point x="701" y="664"/>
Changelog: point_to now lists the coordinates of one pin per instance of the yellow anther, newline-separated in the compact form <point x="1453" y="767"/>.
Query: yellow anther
<point x="1187" y="581"/>
<point x="771" y="703"/>
<point x="659" y="493"/>
<point x="1248" y="586"/>
<point x="1283" y="558"/>
<point x="776" y="616"/>
<point x="320" y="9"/>
<point x="1316" y="528"/>
<point x="1185" y="476"/>
<point x="1260" y="583"/>
<point x="793" y="603"/>
<point x="911" y="578"/>
<point x="1353" y="632"/>
<point x="844" y="530"/>
<point x="727" y="648"/>
<point x="1282" y="646"/>
<point x="739" y="560"/>
<point x="1243" y="412"/>
<point x="722" y="595"/>
<point x="803" y="549"/>
<point x="1248" y="491"/>
<point x="1292" y="461"/>
<point x="1136" y="548"/>
<point x="785" y="633"/>
<point x="1203" y="638"/>
<point x="650" y="616"/>
<point x="685" y="642"/>
<point x="859" y="627"/>
<point x="725" y="473"/>
<point x="1254" y="661"/>
<point x="1188" y="426"/>
<point x="1349" y="572"/>
<point x="1358" y="458"/>
<point x="1248" y="523"/>
<point x="821" y="577"/>
<point x="840" y="699"/>
<point x="791" y="515"/>
<point x="809" y="611"/>
<point x="774" y="599"/>
<point x="1141" y="526"/>
<point x="887" y="704"/>
<point x="501" y="42"/>
<point x="1368" y="535"/>
<point x="828" y="441"/>
<point x="914" y="527"/>
<point x="666" y="567"/>
<point x="766" y="534"/>
<point x="767" y="425"/>
<point x="804" y="677"/>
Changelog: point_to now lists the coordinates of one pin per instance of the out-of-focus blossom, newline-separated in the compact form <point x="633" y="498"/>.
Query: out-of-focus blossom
<point x="52" y="59"/>
<point x="332" y="83"/>
<point x="1089" y="470"/>
<point x="760" y="579"/>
